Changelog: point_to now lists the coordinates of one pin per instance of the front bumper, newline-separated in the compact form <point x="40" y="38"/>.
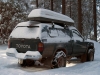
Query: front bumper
<point x="34" y="55"/>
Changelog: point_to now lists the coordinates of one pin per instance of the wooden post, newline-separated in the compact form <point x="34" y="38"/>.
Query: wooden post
<point x="63" y="7"/>
<point x="95" y="19"/>
<point x="37" y="3"/>
<point x="80" y="27"/>
<point x="52" y="5"/>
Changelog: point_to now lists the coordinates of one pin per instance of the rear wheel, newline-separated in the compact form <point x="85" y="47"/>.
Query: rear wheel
<point x="59" y="61"/>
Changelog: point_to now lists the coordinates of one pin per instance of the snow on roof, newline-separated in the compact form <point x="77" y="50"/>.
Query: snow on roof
<point x="27" y="23"/>
<point x="50" y="15"/>
<point x="50" y="25"/>
<point x="72" y="27"/>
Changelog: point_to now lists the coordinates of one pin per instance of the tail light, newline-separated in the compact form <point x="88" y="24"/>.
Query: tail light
<point x="40" y="47"/>
<point x="8" y="43"/>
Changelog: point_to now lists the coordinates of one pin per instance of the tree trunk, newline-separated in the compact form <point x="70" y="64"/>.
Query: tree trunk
<point x="37" y="3"/>
<point x="63" y="7"/>
<point x="95" y="19"/>
<point x="70" y="10"/>
<point x="52" y="5"/>
<point x="80" y="27"/>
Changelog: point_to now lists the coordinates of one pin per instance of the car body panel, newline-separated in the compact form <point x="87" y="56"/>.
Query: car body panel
<point x="53" y="37"/>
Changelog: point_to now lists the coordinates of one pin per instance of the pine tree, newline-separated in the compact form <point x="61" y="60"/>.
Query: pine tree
<point x="12" y="12"/>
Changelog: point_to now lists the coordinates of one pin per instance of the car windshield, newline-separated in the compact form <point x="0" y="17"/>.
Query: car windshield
<point x="25" y="32"/>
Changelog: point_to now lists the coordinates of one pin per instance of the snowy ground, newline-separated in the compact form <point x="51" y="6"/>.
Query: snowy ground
<point x="8" y="66"/>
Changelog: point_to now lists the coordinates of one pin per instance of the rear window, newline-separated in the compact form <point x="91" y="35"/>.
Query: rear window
<point x="26" y="32"/>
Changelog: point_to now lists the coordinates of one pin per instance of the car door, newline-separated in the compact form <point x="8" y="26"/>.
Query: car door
<point x="78" y="41"/>
<point x="69" y="42"/>
<point x="49" y="40"/>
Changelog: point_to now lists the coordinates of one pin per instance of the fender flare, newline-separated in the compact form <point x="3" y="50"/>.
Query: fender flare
<point x="90" y="50"/>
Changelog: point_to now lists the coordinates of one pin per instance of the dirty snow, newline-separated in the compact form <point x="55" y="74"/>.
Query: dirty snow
<point x="9" y="66"/>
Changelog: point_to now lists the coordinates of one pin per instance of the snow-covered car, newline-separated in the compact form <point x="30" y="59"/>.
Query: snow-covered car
<point x="46" y="43"/>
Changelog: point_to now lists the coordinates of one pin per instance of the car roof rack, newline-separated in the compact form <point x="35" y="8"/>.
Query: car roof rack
<point x="48" y="16"/>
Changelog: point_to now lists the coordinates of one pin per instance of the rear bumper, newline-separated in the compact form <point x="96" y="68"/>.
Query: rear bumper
<point x="34" y="55"/>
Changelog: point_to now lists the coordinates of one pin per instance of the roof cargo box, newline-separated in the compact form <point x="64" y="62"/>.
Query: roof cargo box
<point x="44" y="15"/>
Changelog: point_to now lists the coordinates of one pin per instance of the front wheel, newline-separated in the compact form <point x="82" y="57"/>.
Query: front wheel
<point x="90" y="56"/>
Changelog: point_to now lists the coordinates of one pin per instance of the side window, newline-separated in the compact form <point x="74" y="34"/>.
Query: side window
<point x="68" y="32"/>
<point x="77" y="36"/>
<point x="44" y="32"/>
<point x="75" y="31"/>
<point x="61" y="32"/>
<point x="53" y="32"/>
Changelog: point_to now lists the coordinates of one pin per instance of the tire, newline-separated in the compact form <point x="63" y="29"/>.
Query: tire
<point x="22" y="62"/>
<point x="26" y="62"/>
<point x="30" y="62"/>
<point x="90" y="56"/>
<point x="59" y="61"/>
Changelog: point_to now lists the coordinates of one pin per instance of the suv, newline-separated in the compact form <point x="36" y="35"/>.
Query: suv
<point x="48" y="44"/>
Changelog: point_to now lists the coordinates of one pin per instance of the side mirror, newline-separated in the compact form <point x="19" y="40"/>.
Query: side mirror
<point x="84" y="38"/>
